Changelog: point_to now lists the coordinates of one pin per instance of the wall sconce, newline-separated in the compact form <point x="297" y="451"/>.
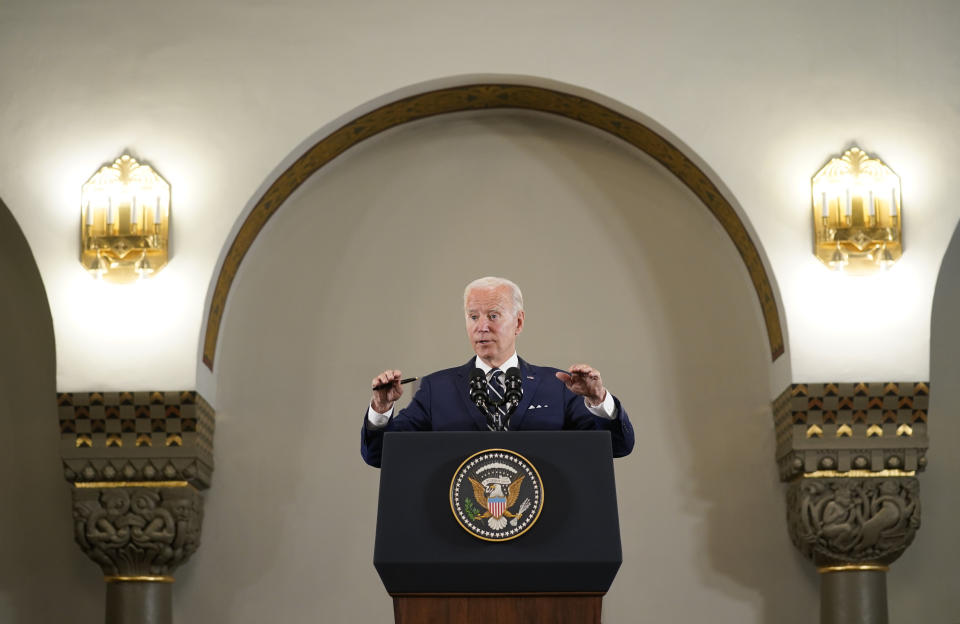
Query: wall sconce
<point x="856" y="214"/>
<point x="124" y="221"/>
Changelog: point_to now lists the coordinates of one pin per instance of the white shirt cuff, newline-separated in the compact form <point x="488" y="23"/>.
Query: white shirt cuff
<point x="607" y="409"/>
<point x="378" y="420"/>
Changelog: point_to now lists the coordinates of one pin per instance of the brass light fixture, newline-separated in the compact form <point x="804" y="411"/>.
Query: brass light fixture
<point x="124" y="221"/>
<point x="856" y="214"/>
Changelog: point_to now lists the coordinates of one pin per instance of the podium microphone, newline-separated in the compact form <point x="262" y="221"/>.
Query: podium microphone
<point x="512" y="395"/>
<point x="514" y="389"/>
<point x="478" y="389"/>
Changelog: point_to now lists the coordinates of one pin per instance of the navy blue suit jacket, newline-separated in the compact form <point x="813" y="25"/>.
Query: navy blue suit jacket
<point x="443" y="404"/>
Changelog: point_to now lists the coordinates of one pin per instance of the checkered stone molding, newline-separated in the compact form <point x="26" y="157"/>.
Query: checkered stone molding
<point x="136" y="436"/>
<point x="852" y="428"/>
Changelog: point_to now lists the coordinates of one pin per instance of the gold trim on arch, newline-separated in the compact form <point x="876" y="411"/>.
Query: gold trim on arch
<point x="485" y="97"/>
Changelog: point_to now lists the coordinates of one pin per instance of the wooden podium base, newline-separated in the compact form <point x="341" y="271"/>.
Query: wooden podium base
<point x="562" y="608"/>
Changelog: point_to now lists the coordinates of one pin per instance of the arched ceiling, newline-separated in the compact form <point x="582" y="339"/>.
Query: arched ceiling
<point x="487" y="97"/>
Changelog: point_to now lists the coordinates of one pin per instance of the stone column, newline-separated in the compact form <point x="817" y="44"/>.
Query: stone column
<point x="853" y="529"/>
<point x="850" y="453"/>
<point x="137" y="462"/>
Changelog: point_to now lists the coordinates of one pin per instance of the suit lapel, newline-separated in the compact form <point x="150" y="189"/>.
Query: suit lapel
<point x="463" y="375"/>
<point x="531" y="379"/>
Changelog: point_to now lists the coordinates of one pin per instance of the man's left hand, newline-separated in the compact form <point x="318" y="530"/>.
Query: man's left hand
<point x="585" y="381"/>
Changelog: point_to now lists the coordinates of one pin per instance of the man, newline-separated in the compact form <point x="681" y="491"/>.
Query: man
<point x="552" y="399"/>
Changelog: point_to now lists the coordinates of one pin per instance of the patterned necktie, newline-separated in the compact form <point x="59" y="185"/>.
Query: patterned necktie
<point x="497" y="415"/>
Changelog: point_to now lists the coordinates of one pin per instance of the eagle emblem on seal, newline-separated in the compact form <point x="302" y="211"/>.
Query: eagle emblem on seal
<point x="496" y="495"/>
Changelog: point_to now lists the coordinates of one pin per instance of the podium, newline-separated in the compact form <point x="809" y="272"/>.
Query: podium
<point x="556" y="571"/>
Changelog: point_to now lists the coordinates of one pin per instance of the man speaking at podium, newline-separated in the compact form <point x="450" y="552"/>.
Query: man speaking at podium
<point x="551" y="399"/>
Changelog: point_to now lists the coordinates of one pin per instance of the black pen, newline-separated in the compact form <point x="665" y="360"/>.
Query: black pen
<point x="402" y="381"/>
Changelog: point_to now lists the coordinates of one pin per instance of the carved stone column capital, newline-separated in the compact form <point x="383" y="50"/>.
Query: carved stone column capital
<point x="853" y="522"/>
<point x="137" y="462"/>
<point x="137" y="532"/>
<point x="850" y="453"/>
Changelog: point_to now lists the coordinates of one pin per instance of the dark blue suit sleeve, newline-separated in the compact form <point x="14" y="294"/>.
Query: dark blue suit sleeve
<point x="414" y="417"/>
<point x="577" y="416"/>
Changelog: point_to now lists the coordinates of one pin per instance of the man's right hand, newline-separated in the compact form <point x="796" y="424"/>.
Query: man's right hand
<point x="391" y="390"/>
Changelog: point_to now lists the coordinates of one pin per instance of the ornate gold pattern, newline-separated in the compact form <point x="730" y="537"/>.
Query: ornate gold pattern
<point x="858" y="474"/>
<point x="486" y="97"/>
<point x="129" y="484"/>
<point x="853" y="568"/>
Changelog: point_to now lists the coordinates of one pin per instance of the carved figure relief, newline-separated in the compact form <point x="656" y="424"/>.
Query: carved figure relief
<point x="853" y="520"/>
<point x="133" y="531"/>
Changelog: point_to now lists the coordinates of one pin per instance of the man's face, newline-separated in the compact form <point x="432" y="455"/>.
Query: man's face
<point x="491" y="325"/>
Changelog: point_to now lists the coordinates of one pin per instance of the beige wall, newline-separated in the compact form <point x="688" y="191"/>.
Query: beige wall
<point x="621" y="267"/>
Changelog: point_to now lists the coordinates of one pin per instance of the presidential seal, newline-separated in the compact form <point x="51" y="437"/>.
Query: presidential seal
<point x="496" y="495"/>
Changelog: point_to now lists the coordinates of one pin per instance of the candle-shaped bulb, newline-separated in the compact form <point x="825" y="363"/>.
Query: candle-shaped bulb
<point x="110" y="210"/>
<point x="893" y="202"/>
<point x="848" y="205"/>
<point x="133" y="210"/>
<point x="89" y="210"/>
<point x="870" y="207"/>
<point x="157" y="220"/>
<point x="824" y="205"/>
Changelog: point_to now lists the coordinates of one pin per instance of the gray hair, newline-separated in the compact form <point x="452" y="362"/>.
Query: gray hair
<point x="496" y="282"/>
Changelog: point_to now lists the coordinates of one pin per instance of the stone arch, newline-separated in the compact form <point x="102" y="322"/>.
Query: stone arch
<point x="940" y="501"/>
<point x="492" y="96"/>
<point x="678" y="335"/>
<point x="32" y="522"/>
